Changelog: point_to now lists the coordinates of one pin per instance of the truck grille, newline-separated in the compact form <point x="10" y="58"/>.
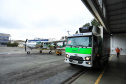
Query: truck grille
<point x="79" y="59"/>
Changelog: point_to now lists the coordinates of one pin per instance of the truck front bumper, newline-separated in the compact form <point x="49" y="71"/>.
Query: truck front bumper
<point x="76" y="62"/>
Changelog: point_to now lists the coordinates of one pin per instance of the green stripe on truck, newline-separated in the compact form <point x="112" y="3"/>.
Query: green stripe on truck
<point x="79" y="50"/>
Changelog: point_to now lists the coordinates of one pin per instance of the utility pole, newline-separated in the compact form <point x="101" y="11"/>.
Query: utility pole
<point x="68" y="32"/>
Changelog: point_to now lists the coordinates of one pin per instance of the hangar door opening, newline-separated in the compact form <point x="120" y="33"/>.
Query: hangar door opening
<point x="118" y="40"/>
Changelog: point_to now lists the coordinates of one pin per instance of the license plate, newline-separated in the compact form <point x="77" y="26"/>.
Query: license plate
<point x="74" y="61"/>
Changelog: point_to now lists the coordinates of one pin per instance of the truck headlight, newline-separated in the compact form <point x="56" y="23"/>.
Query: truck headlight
<point x="88" y="58"/>
<point x="67" y="55"/>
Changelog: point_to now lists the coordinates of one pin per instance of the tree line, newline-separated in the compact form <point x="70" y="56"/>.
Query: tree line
<point x="93" y="23"/>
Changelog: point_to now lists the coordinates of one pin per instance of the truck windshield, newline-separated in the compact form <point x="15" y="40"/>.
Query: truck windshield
<point x="80" y="41"/>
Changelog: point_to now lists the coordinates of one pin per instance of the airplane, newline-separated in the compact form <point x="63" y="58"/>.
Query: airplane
<point x="41" y="44"/>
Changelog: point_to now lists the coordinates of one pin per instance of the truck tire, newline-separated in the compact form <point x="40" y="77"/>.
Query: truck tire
<point x="72" y="64"/>
<point x="97" y="65"/>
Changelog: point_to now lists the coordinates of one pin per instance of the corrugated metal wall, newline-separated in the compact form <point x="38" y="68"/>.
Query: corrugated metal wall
<point x="118" y="40"/>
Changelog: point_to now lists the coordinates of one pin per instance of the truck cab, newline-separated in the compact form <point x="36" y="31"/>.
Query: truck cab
<point x="84" y="48"/>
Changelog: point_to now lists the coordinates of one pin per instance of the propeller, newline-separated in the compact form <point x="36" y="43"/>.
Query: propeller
<point x="25" y="44"/>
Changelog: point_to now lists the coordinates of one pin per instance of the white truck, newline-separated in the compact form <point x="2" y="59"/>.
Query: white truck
<point x="89" y="48"/>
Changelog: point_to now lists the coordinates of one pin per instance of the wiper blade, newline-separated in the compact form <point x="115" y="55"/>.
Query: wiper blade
<point x="75" y="46"/>
<point x="79" y="45"/>
<point x="82" y="46"/>
<point x="69" y="45"/>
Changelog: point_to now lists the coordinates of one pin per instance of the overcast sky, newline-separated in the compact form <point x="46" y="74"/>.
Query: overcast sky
<point x="27" y="19"/>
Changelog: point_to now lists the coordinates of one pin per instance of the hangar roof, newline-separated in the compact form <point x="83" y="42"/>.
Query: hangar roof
<point x="110" y="13"/>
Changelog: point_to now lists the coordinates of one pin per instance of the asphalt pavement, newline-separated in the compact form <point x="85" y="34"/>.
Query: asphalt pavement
<point x="16" y="67"/>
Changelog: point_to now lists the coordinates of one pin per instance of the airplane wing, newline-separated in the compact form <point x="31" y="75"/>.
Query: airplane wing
<point x="55" y="41"/>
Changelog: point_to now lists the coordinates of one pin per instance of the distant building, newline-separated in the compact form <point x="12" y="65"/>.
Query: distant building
<point x="4" y="39"/>
<point x="20" y="42"/>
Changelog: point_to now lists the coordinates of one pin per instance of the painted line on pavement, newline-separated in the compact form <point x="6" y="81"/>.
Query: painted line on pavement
<point x="100" y="76"/>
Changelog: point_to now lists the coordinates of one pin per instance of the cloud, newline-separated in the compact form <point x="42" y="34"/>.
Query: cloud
<point x="42" y="18"/>
<point x="10" y="23"/>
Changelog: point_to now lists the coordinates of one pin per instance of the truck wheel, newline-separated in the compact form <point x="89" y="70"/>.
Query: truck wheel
<point x="107" y="60"/>
<point x="72" y="64"/>
<point x="97" y="65"/>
